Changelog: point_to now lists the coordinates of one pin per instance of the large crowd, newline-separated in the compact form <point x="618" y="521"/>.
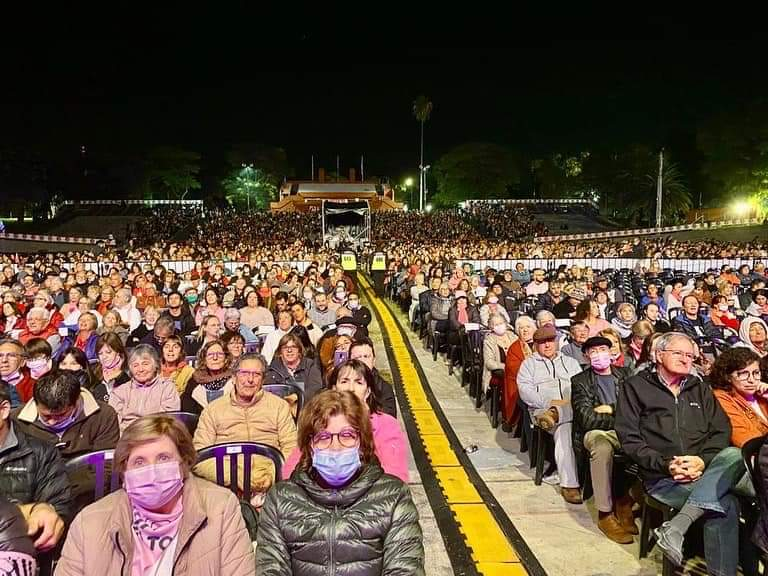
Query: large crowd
<point x="653" y="378"/>
<point x="661" y="367"/>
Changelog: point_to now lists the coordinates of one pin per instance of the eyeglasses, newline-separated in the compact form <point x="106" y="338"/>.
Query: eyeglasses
<point x="680" y="354"/>
<point x="348" y="438"/>
<point x="250" y="374"/>
<point x="743" y="375"/>
<point x="214" y="355"/>
<point x="290" y="347"/>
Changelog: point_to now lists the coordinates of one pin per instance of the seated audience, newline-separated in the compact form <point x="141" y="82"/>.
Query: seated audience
<point x="209" y="331"/>
<point x="112" y="369"/>
<point x="173" y="364"/>
<point x="579" y="333"/>
<point x="624" y="319"/>
<point x="753" y="334"/>
<point x="390" y="444"/>
<point x="150" y="315"/>
<point x="33" y="478"/>
<point x="213" y="372"/>
<point x="339" y="476"/>
<point x="271" y="342"/>
<point x="38" y="358"/>
<point x="234" y="343"/>
<point x="147" y="392"/>
<point x="698" y="482"/>
<point x="693" y="323"/>
<point x="362" y="349"/>
<point x="172" y="521"/>
<point x="589" y="313"/>
<point x="68" y="416"/>
<point x="654" y="315"/>
<point x="544" y="381"/>
<point x="495" y="347"/>
<point x="737" y="382"/>
<point x="254" y="314"/>
<point x="247" y="413"/>
<point x="520" y="349"/>
<point x="74" y="360"/>
<point x="593" y="397"/>
<point x="39" y="326"/>
<point x="112" y="322"/>
<point x="290" y="366"/>
<point x="178" y="311"/>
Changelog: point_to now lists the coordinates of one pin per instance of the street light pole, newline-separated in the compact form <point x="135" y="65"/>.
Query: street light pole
<point x="659" y="190"/>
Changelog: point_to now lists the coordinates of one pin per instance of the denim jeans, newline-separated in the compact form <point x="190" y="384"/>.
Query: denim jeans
<point x="712" y="492"/>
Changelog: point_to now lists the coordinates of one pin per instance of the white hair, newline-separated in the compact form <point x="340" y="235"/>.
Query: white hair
<point x="37" y="311"/>
<point x="524" y="320"/>
<point x="544" y="315"/>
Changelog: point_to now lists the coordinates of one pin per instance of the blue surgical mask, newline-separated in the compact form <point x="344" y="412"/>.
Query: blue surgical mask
<point x="336" y="467"/>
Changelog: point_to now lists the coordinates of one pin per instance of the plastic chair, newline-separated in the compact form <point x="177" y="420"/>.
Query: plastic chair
<point x="233" y="450"/>
<point x="191" y="360"/>
<point x="98" y="462"/>
<point x="284" y="390"/>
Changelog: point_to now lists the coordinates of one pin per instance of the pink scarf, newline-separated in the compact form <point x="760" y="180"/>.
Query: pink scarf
<point x="153" y="533"/>
<point x="462" y="316"/>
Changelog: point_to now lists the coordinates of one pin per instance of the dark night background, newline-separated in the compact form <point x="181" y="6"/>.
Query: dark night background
<point x="343" y="80"/>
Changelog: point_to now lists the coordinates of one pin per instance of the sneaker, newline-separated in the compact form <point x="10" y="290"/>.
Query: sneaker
<point x="670" y="540"/>
<point x="553" y="479"/>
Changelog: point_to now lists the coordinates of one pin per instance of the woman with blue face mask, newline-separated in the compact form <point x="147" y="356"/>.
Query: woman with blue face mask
<point x="362" y="520"/>
<point x="163" y="520"/>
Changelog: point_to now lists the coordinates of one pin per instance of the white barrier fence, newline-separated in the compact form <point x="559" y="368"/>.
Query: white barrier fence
<point x="178" y="266"/>
<point x="638" y="264"/>
<point x="649" y="231"/>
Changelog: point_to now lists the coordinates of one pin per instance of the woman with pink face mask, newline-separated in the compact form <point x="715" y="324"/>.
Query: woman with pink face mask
<point x="163" y="520"/>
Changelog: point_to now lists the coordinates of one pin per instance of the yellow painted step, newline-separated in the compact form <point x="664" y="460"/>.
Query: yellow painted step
<point x="456" y="486"/>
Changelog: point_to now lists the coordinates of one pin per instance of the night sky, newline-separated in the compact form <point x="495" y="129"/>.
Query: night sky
<point x="343" y="80"/>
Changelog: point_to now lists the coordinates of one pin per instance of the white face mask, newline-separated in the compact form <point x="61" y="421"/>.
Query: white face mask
<point x="722" y="307"/>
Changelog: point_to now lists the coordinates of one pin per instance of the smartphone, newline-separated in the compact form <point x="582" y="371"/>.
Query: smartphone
<point x="339" y="357"/>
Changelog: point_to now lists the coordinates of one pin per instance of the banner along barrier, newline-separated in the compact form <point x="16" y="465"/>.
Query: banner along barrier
<point x="178" y="266"/>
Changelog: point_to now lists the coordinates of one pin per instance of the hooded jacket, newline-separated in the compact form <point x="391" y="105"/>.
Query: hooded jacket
<point x="744" y="340"/>
<point x="367" y="528"/>
<point x="654" y="426"/>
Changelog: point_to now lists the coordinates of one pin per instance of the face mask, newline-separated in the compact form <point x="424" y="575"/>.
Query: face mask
<point x="493" y="300"/>
<point x="192" y="298"/>
<point x="307" y="296"/>
<point x="346" y="330"/>
<point x="601" y="361"/>
<point x="353" y="305"/>
<point x="336" y="467"/>
<point x="152" y="487"/>
<point x="38" y="367"/>
<point x="721" y="307"/>
<point x="500" y="329"/>
<point x="341" y="295"/>
<point x="61" y="427"/>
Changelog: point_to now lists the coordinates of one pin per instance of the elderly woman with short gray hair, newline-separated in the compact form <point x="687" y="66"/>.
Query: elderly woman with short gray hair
<point x="147" y="392"/>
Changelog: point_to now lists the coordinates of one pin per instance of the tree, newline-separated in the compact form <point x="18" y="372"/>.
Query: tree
<point x="23" y="182"/>
<point x="734" y="146"/>
<point x="172" y="172"/>
<point x="249" y="187"/>
<point x="475" y="170"/>
<point x="625" y="183"/>
<point x="422" y="109"/>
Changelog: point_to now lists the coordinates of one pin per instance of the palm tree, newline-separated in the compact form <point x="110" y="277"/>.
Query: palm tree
<point x="422" y="108"/>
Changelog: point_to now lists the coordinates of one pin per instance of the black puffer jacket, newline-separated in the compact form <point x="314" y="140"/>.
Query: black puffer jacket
<point x="371" y="527"/>
<point x="32" y="471"/>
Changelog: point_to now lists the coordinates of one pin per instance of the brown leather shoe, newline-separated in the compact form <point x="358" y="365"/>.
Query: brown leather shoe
<point x="571" y="495"/>
<point x="609" y="525"/>
<point x="623" y="509"/>
<point x="547" y="420"/>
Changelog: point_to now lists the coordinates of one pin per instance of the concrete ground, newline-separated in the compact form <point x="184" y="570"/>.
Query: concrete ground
<point x="563" y="537"/>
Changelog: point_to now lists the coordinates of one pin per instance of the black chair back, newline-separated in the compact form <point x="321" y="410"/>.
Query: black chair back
<point x="233" y="451"/>
<point x="749" y="453"/>
<point x="284" y="390"/>
<point x="97" y="461"/>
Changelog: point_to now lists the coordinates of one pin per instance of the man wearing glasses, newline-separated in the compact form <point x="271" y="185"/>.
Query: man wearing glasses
<point x="248" y="413"/>
<point x="671" y="425"/>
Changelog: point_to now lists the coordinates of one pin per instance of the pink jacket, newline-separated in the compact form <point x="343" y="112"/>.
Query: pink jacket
<point x="389" y="442"/>
<point x="131" y="400"/>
